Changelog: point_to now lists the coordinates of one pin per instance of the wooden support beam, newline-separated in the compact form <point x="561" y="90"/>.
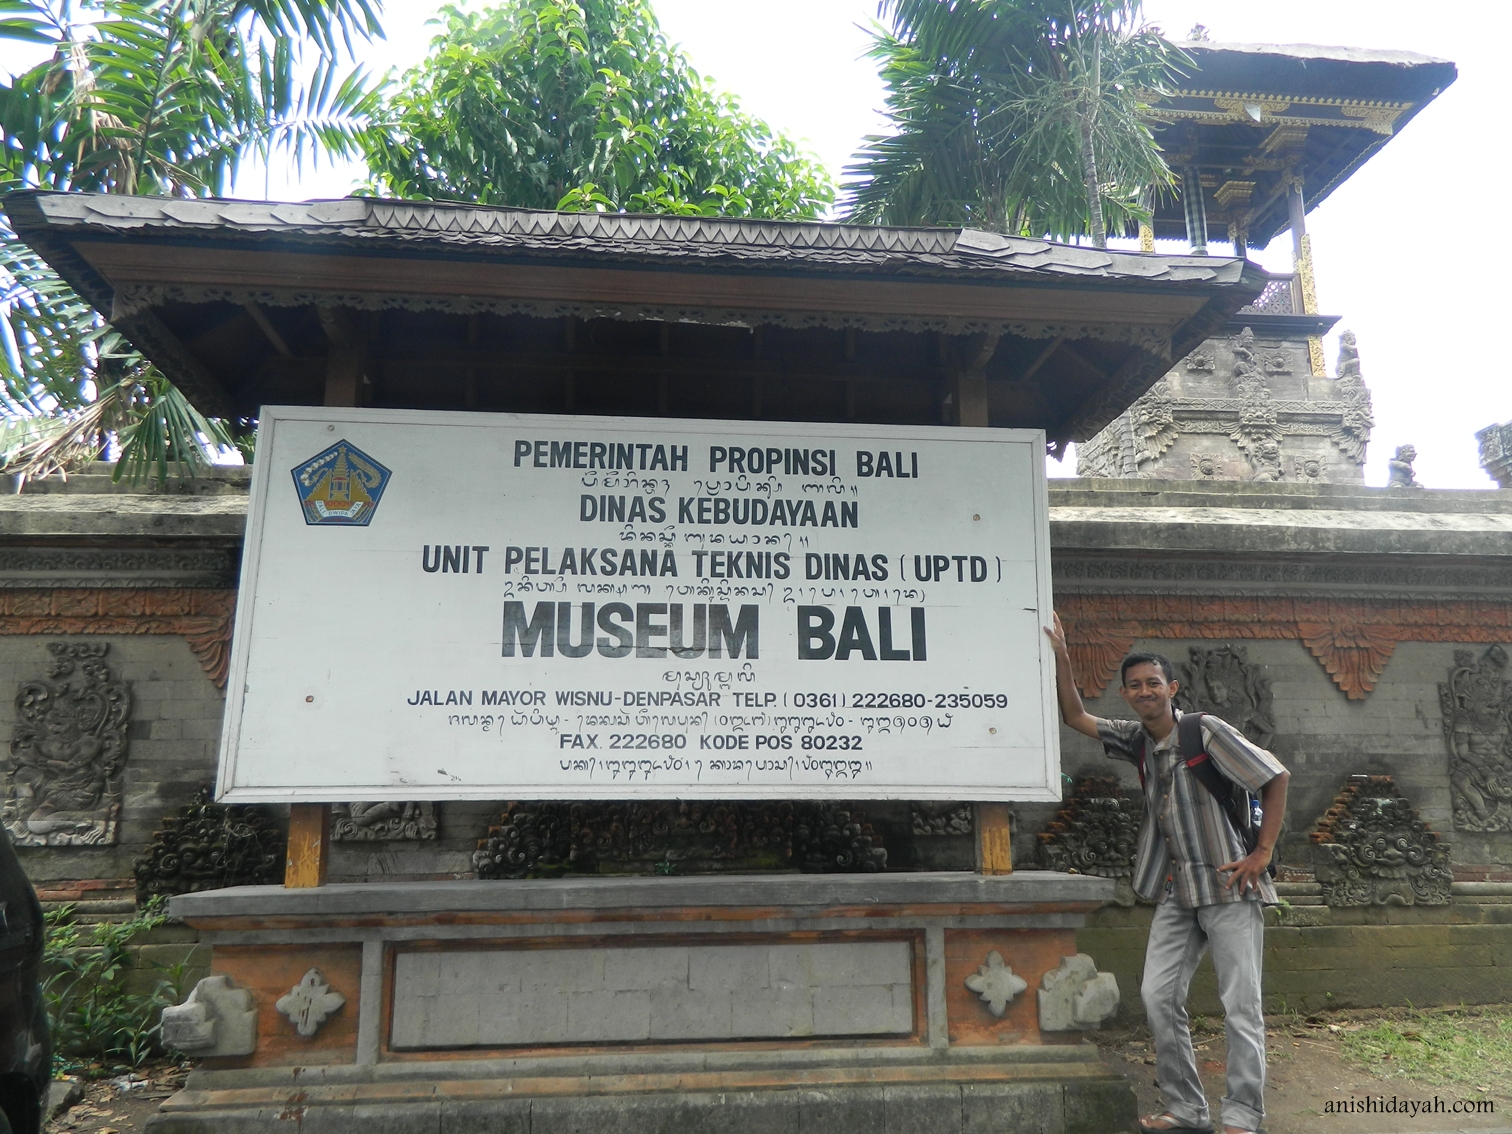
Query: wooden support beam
<point x="346" y="358"/>
<point x="309" y="854"/>
<point x="260" y="317"/>
<point x="994" y="839"/>
<point x="994" y="849"/>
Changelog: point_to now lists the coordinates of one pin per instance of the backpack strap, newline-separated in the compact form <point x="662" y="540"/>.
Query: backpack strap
<point x="1190" y="750"/>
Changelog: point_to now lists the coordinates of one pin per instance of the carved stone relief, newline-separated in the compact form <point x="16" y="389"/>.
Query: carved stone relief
<point x="388" y="822"/>
<point x="1224" y="389"/>
<point x="1207" y="466"/>
<point x="207" y="846"/>
<point x="202" y="615"/>
<point x="1201" y="361"/>
<point x="1309" y="469"/>
<point x="1476" y="703"/>
<point x="926" y="819"/>
<point x="691" y="837"/>
<point x="1096" y="832"/>
<point x="1076" y="997"/>
<point x="216" y="1019"/>
<point x="64" y="772"/>
<point x="1370" y="848"/>
<point x="1154" y="424"/>
<point x="1258" y="434"/>
<point x="1496" y="453"/>
<point x="1352" y="436"/>
<point x="1352" y="638"/>
<point x="1221" y="680"/>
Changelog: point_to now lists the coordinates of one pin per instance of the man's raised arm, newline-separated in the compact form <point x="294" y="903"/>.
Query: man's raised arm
<point x="1072" y="710"/>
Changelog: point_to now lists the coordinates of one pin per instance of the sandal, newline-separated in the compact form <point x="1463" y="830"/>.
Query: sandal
<point x="1147" y="1125"/>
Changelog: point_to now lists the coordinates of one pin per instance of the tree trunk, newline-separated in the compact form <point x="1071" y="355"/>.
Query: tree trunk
<point x="1094" y="187"/>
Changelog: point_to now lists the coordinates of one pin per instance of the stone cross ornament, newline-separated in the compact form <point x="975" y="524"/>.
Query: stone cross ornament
<point x="309" y="1002"/>
<point x="996" y="983"/>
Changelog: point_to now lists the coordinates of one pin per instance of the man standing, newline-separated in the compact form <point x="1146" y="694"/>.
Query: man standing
<point x="1208" y="890"/>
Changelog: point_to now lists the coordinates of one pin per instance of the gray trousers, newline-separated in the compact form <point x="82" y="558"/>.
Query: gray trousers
<point x="1178" y="939"/>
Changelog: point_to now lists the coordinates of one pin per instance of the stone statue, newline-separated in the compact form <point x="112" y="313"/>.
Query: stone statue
<point x="67" y="752"/>
<point x="1400" y="466"/>
<point x="1476" y="703"/>
<point x="1357" y="415"/>
<point x="1266" y="458"/>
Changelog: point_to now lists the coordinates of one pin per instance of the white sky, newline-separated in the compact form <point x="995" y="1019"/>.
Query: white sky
<point x="1400" y="250"/>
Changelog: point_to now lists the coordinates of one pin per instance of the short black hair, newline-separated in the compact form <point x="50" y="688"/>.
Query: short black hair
<point x="1145" y="659"/>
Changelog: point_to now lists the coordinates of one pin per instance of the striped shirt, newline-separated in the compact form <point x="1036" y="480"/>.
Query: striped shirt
<point x="1186" y="836"/>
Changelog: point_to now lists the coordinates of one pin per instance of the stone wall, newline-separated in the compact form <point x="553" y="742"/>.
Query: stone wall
<point x="1366" y="958"/>
<point x="172" y="741"/>
<point x="1323" y="738"/>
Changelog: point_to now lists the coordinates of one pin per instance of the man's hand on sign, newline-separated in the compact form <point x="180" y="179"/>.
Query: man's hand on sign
<point x="1072" y="711"/>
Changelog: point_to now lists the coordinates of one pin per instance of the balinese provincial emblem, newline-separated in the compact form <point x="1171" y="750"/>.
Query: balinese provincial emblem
<point x="340" y="486"/>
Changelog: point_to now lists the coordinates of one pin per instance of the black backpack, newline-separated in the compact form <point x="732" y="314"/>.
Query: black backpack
<point x="1238" y="803"/>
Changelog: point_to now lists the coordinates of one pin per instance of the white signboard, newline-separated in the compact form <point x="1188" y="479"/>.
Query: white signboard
<point x="498" y="606"/>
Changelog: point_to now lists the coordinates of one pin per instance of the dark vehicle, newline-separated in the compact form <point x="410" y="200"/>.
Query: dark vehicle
<point x="25" y="1042"/>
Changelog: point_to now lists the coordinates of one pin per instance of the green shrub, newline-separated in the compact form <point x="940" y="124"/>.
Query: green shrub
<point x="101" y="1019"/>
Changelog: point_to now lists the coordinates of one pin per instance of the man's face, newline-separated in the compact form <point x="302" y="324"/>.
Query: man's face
<point x="1147" y="691"/>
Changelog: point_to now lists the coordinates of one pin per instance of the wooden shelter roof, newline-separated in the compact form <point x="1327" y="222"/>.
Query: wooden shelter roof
<point x="1252" y="115"/>
<point x="243" y="303"/>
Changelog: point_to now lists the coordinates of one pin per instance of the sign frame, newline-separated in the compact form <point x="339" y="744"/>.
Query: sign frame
<point x="268" y="477"/>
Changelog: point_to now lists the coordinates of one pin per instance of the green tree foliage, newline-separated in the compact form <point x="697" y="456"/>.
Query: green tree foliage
<point x="1023" y="116"/>
<point x="164" y="97"/>
<point x="581" y="105"/>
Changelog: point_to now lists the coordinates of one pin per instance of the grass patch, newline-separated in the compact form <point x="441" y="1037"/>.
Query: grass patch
<point x="1439" y="1048"/>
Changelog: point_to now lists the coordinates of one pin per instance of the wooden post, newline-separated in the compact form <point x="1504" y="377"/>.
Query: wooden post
<point x="309" y="846"/>
<point x="994" y="848"/>
<point x="309" y="854"/>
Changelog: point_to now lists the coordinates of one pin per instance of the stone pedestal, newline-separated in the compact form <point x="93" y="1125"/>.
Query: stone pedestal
<point x="777" y="1002"/>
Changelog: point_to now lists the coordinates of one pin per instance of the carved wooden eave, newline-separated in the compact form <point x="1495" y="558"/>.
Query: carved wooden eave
<point x="464" y="307"/>
<point x="1253" y="117"/>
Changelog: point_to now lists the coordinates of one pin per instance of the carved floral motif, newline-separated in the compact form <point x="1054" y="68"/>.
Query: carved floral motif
<point x="66" y="755"/>
<point x="202" y="616"/>
<point x="1370" y="848"/>
<point x="1476" y="703"/>
<point x="1352" y="638"/>
<point x="207" y="846"/>
<point x="387" y="822"/>
<point x="646" y="837"/>
<point x="996" y="983"/>
<point x="1200" y="361"/>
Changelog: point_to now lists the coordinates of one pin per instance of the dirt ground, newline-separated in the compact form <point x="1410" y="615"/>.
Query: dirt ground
<point x="1309" y="1071"/>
